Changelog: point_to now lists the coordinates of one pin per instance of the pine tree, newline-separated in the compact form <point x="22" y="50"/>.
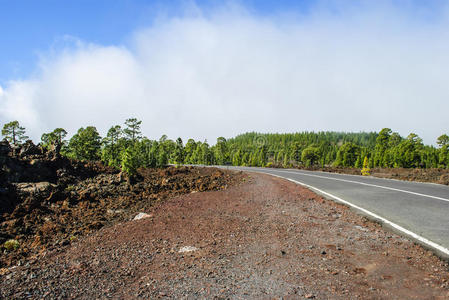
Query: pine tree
<point x="56" y="137"/>
<point x="153" y="154"/>
<point x="443" y="157"/>
<point x="14" y="133"/>
<point x="221" y="151"/>
<point x="85" y="144"/>
<point x="358" y="163"/>
<point x="162" y="157"/>
<point x="443" y="140"/>
<point x="381" y="146"/>
<point x="347" y="155"/>
<point x="189" y="150"/>
<point x="310" y="155"/>
<point x="132" y="130"/>
<point x="236" y="159"/>
<point x="130" y="162"/>
<point x="285" y="161"/>
<point x="178" y="154"/>
<point x="111" y="148"/>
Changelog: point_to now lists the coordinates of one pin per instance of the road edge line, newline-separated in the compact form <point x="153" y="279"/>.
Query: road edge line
<point x="439" y="250"/>
<point x="369" y="184"/>
<point x="373" y="177"/>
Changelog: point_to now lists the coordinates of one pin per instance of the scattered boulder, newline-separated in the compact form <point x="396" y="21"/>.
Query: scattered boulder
<point x="54" y="152"/>
<point x="5" y="148"/>
<point x="33" y="188"/>
<point x="187" y="249"/>
<point x="142" y="215"/>
<point x="28" y="149"/>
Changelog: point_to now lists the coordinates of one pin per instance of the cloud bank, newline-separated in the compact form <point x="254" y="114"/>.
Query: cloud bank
<point x="228" y="71"/>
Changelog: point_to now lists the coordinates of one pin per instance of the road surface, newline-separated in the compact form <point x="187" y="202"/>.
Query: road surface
<point x="417" y="210"/>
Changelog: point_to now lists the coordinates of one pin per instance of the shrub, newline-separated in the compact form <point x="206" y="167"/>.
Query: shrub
<point x="11" y="245"/>
<point x="366" y="170"/>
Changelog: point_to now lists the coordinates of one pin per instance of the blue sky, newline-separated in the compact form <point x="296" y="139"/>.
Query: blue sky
<point x="28" y="28"/>
<point x="236" y="66"/>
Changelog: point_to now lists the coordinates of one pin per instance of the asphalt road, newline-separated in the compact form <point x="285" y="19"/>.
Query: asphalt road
<point x="417" y="210"/>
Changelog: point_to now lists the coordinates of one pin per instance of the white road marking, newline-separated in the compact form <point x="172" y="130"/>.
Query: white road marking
<point x="417" y="237"/>
<point x="367" y="184"/>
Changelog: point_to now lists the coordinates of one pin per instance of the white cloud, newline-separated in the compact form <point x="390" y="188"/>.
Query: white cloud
<point x="231" y="72"/>
<point x="16" y="103"/>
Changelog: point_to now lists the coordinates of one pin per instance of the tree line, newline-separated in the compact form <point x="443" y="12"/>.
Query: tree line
<point x="124" y="147"/>
<point x="385" y="149"/>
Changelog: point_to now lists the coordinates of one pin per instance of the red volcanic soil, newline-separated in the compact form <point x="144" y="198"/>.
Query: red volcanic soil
<point x="261" y="237"/>
<point x="46" y="216"/>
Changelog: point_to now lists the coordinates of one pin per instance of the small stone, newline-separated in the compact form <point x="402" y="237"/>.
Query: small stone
<point x="141" y="216"/>
<point x="309" y="296"/>
<point x="361" y="228"/>
<point x="323" y="252"/>
<point x="187" y="249"/>
<point x="4" y="271"/>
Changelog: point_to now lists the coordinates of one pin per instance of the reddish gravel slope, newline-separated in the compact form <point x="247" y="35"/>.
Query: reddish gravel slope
<point x="267" y="238"/>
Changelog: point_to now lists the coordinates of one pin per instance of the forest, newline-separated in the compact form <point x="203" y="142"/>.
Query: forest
<point x="124" y="147"/>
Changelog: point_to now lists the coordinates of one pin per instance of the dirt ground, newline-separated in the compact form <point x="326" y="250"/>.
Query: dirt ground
<point x="265" y="238"/>
<point x="440" y="176"/>
<point x="48" y="216"/>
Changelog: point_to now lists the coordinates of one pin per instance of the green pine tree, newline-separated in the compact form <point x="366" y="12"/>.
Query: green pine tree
<point x="14" y="133"/>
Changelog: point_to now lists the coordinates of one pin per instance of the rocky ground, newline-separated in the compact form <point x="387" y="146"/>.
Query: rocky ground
<point x="440" y="176"/>
<point x="48" y="201"/>
<point x="264" y="238"/>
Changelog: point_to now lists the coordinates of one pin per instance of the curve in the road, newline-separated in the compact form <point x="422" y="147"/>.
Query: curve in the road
<point x="373" y="185"/>
<point x="409" y="233"/>
<point x="417" y="215"/>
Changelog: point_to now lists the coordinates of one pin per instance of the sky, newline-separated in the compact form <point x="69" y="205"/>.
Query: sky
<point x="204" y="69"/>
